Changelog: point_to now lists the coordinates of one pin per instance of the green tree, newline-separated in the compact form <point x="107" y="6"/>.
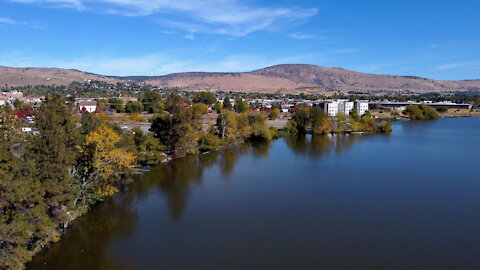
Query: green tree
<point x="23" y="219"/>
<point x="53" y="151"/>
<point x="208" y="142"/>
<point x="199" y="109"/>
<point x="218" y="106"/>
<point x="315" y="117"/>
<point x="240" y="106"/>
<point x="103" y="104"/>
<point x="274" y="113"/>
<point x="227" y="105"/>
<point x="134" y="107"/>
<point x="291" y="127"/>
<point x="150" y="151"/>
<point x="116" y="104"/>
<point x="226" y="124"/>
<point x="173" y="103"/>
<point x="302" y="118"/>
<point x="384" y="127"/>
<point x="206" y="98"/>
<point x="342" y="124"/>
<point x="324" y="127"/>
<point x="177" y="128"/>
<point x="354" y="115"/>
<point x="259" y="127"/>
<point x="421" y="112"/>
<point x="17" y="104"/>
<point x="151" y="101"/>
<point x="89" y="123"/>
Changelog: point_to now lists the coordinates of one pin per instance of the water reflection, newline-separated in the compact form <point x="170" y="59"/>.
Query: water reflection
<point x="316" y="146"/>
<point x="88" y="237"/>
<point x="85" y="246"/>
<point x="310" y="202"/>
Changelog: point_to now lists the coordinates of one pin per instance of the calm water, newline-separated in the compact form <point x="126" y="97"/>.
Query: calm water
<point x="410" y="200"/>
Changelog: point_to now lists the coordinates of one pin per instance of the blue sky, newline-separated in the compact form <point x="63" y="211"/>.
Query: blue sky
<point x="435" y="39"/>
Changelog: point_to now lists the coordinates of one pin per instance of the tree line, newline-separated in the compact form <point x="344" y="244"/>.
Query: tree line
<point x="314" y="120"/>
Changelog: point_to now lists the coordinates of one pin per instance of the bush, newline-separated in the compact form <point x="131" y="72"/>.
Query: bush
<point x="421" y="112"/>
<point x="384" y="127"/>
<point x="442" y="109"/>
<point x="206" y="98"/>
<point x="209" y="142"/>
<point x="134" y="107"/>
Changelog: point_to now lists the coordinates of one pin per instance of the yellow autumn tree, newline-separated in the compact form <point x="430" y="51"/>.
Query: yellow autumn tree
<point x="101" y="165"/>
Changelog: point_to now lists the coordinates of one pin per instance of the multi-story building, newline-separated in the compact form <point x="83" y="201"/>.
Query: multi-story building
<point x="330" y="107"/>
<point x="361" y="106"/>
<point x="345" y="106"/>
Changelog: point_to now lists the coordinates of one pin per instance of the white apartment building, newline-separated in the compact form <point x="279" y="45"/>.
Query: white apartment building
<point x="331" y="108"/>
<point x="361" y="106"/>
<point x="345" y="106"/>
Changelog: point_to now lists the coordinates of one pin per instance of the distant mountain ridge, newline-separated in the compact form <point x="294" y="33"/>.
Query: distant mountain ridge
<point x="287" y="78"/>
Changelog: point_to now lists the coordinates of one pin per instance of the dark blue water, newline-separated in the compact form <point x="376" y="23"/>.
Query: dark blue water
<point x="410" y="200"/>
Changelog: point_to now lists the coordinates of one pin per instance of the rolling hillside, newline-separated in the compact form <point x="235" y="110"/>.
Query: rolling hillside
<point x="46" y="76"/>
<point x="294" y="78"/>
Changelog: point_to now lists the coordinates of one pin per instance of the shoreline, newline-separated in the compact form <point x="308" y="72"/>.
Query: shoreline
<point x="59" y="232"/>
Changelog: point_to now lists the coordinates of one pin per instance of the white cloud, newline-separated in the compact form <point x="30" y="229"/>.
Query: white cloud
<point x="190" y="36"/>
<point x="76" y="4"/>
<point x="303" y="36"/>
<point x="346" y="51"/>
<point x="230" y="17"/>
<point x="4" y="20"/>
<point x="457" y="65"/>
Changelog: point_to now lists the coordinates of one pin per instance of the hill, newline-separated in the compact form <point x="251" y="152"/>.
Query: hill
<point x="291" y="78"/>
<point x="47" y="76"/>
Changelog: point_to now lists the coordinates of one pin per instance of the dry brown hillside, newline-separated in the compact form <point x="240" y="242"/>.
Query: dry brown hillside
<point x="275" y="79"/>
<point x="46" y="76"/>
<point x="300" y="78"/>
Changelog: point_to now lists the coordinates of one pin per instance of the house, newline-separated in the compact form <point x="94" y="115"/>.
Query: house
<point x="27" y="129"/>
<point x="87" y="106"/>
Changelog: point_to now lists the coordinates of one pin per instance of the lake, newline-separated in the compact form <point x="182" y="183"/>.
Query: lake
<point x="410" y="200"/>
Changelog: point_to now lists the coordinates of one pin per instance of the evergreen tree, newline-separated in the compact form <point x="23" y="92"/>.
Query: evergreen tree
<point x="89" y="123"/>
<point x="240" y="106"/>
<point x="53" y="151"/>
<point x="23" y="220"/>
<point x="227" y="105"/>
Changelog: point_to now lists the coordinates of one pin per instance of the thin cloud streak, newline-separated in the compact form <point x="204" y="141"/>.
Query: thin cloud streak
<point x="457" y="65"/>
<point x="229" y="17"/>
<point x="303" y="36"/>
<point x="4" y="20"/>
